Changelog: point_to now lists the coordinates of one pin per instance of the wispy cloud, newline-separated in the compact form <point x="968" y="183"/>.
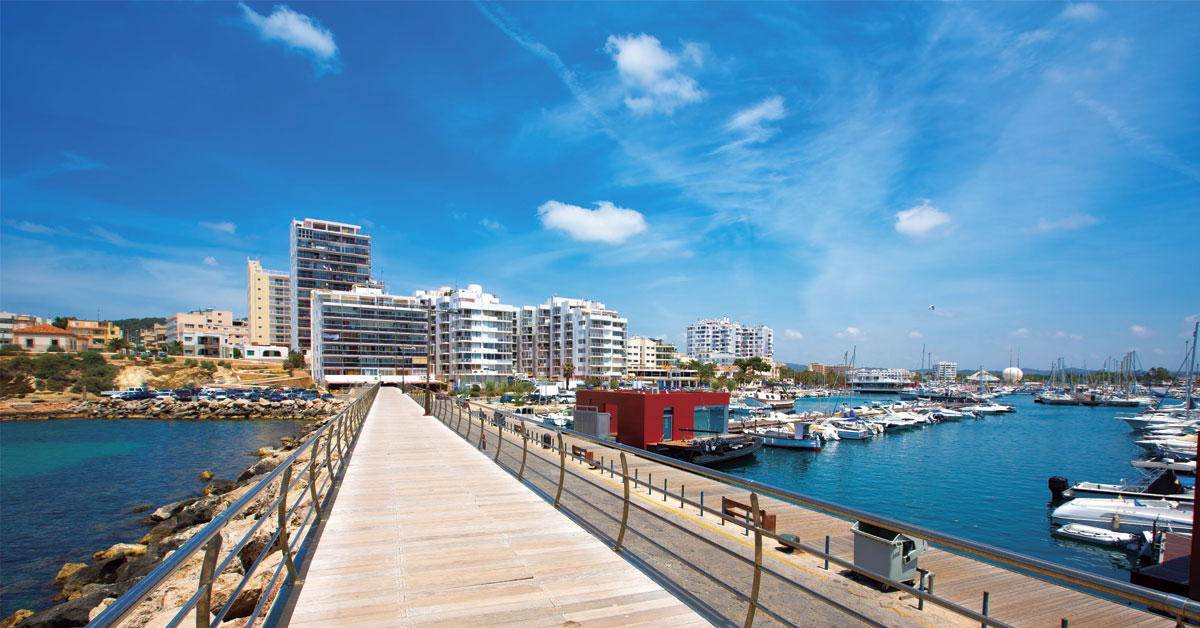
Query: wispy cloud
<point x="1192" y="319"/>
<point x="652" y="75"/>
<point x="1141" y="142"/>
<point x="1074" y="221"/>
<point x="210" y="261"/>
<point x="607" y="223"/>
<point x="108" y="236"/>
<point x="851" y="333"/>
<point x="33" y="227"/>
<point x="295" y="31"/>
<point x="751" y="123"/>
<point x="1082" y="11"/>
<point x="491" y="225"/>
<point x="793" y="334"/>
<point x="921" y="220"/>
<point x="1019" y="333"/>
<point x="1140" y="331"/>
<point x="915" y="334"/>
<point x="1077" y="337"/>
<point x="223" y="227"/>
<point x="668" y="281"/>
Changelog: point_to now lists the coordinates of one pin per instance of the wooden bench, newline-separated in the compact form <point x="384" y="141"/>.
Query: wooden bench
<point x="743" y="511"/>
<point x="584" y="454"/>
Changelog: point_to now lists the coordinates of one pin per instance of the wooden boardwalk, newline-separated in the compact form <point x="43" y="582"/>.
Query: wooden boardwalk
<point x="427" y="531"/>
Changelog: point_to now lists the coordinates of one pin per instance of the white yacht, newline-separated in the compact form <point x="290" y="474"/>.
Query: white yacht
<point x="1125" y="515"/>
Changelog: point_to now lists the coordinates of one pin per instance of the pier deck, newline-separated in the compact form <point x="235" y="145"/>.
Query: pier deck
<point x="427" y="531"/>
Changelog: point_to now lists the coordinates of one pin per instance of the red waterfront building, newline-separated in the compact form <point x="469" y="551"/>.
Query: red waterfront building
<point x="641" y="418"/>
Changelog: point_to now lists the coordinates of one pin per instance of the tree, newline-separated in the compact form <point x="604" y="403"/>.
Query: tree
<point x="295" y="360"/>
<point x="174" y="348"/>
<point x="237" y="353"/>
<point x="118" y="345"/>
<point x="568" y="371"/>
<point x="489" y="390"/>
<point x="61" y="322"/>
<point x="917" y="378"/>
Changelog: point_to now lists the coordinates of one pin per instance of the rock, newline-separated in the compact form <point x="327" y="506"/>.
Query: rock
<point x="264" y="452"/>
<point x="100" y="572"/>
<point x="256" y="585"/>
<point x="219" y="487"/>
<point x="67" y="570"/>
<point x="170" y="510"/>
<point x="206" y="476"/>
<point x="65" y="615"/>
<point x="120" y="549"/>
<point x="104" y="604"/>
<point x="223" y="586"/>
<point x="142" y="508"/>
<point x="15" y="618"/>
<point x="255" y="546"/>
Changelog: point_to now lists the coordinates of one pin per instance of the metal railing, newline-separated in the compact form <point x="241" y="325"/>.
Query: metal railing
<point x="480" y="424"/>
<point x="327" y="451"/>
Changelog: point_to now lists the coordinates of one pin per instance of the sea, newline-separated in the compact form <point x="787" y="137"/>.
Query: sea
<point x="982" y="479"/>
<point x="68" y="486"/>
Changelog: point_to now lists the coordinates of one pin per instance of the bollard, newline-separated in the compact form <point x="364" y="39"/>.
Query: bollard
<point x="747" y="523"/>
<point x="920" y="587"/>
<point x="649" y="483"/>
<point x="929" y="586"/>
<point x="1064" y="622"/>
<point x="701" y="503"/>
<point x="664" y="489"/>
<point x="682" y="492"/>
<point x="635" y="478"/>
<point x="985" y="609"/>
<point x="827" y="553"/>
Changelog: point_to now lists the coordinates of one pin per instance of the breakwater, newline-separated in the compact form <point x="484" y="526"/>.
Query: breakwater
<point x="86" y="476"/>
<point x="168" y="408"/>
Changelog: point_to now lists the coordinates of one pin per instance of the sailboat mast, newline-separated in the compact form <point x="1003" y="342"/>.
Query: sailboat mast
<point x="1187" y="397"/>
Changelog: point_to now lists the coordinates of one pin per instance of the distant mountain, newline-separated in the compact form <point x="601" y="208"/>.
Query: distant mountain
<point x="134" y="326"/>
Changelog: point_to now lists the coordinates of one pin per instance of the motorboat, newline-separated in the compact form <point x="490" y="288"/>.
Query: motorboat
<point x="1125" y="515"/>
<point x="790" y="436"/>
<point x="1099" y="536"/>
<point x="1162" y="485"/>
<point x="710" y="451"/>
<point x="857" y="429"/>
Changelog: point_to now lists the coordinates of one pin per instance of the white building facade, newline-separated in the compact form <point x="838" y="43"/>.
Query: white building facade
<point x="562" y="331"/>
<point x="325" y="255"/>
<point x="363" y="335"/>
<point x="475" y="335"/>
<point x="642" y="352"/>
<point x="711" y="336"/>
<point x="944" y="371"/>
<point x="10" y="321"/>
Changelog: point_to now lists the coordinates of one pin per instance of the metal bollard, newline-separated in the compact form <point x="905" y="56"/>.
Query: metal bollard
<point x="682" y="492"/>
<point x="920" y="587"/>
<point x="985" y="609"/>
<point x="701" y="503"/>
<point x="827" y="553"/>
<point x="649" y="483"/>
<point x="664" y="489"/>
<point x="747" y="523"/>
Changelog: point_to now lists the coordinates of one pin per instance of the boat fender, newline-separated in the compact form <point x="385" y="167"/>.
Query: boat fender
<point x="1116" y="522"/>
<point x="1057" y="485"/>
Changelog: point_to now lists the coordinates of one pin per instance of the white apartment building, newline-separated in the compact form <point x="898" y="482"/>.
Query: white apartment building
<point x="325" y="255"/>
<point x="10" y="321"/>
<point x="944" y="371"/>
<point x="363" y="335"/>
<point x="648" y="353"/>
<point x="269" y="294"/>
<point x="563" y="331"/>
<point x="207" y="333"/>
<point x="475" y="334"/>
<point x="709" y="336"/>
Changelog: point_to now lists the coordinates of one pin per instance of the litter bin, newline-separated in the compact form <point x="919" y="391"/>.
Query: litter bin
<point x="886" y="552"/>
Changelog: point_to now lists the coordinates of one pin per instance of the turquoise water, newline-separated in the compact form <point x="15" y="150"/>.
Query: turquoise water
<point x="983" y="479"/>
<point x="67" y="487"/>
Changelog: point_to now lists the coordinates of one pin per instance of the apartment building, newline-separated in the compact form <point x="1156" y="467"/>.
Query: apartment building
<point x="99" y="331"/>
<point x="580" y="332"/>
<point x="207" y="333"/>
<point x="709" y="336"/>
<point x="269" y="306"/>
<point x="649" y="353"/>
<point x="154" y="337"/>
<point x="363" y="335"/>
<point x="944" y="371"/>
<point x="325" y="255"/>
<point x="10" y="321"/>
<point x="828" y="369"/>
<point x="475" y="334"/>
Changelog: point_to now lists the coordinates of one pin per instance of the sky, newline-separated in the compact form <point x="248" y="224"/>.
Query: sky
<point x="969" y="177"/>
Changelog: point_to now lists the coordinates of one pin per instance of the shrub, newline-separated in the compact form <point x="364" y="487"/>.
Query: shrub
<point x="54" y="349"/>
<point x="189" y="362"/>
<point x="9" y="349"/>
<point x="237" y="353"/>
<point x="167" y="360"/>
<point x="208" y="366"/>
<point x="91" y="359"/>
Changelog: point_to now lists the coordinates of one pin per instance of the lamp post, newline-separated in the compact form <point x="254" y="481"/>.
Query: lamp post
<point x="428" y="362"/>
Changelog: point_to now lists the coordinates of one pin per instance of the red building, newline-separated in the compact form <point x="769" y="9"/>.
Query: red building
<point x="640" y="419"/>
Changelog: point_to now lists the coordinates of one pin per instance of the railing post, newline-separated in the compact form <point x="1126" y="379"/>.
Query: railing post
<point x="921" y="587"/>
<point x="625" y="505"/>
<point x="460" y="413"/>
<point x="482" y="429"/>
<point x="757" y="560"/>
<point x="562" y="468"/>
<point x="312" y="483"/>
<point x="329" y="453"/>
<point x="985" y="609"/>
<point x="827" y="559"/>
<point x="204" y="604"/>
<point x="524" y="451"/>
<point x="499" y="439"/>
<point x="283" y="534"/>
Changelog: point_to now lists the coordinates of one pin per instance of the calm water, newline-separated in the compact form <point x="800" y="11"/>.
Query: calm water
<point x="67" y="487"/>
<point x="982" y="479"/>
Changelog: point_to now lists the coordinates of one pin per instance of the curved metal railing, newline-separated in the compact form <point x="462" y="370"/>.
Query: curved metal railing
<point x="522" y="428"/>
<point x="317" y="477"/>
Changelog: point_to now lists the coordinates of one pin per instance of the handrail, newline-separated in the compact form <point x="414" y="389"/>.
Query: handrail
<point x="1173" y="605"/>
<point x="340" y="432"/>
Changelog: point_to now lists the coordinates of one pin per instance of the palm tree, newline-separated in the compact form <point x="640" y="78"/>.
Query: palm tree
<point x="568" y="371"/>
<point x="118" y="344"/>
<point x="489" y="390"/>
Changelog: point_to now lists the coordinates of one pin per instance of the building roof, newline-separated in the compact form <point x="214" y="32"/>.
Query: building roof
<point x="48" y="330"/>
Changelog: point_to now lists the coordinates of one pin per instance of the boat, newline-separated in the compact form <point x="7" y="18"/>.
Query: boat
<point x="710" y="451"/>
<point x="857" y="429"/>
<point x="1164" y="485"/>
<point x="1125" y="515"/>
<point x="1098" y="536"/>
<point x="791" y="436"/>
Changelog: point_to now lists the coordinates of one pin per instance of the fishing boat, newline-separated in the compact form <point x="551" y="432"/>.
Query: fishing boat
<point x="1125" y="515"/>
<point x="1098" y="536"/>
<point x="710" y="451"/>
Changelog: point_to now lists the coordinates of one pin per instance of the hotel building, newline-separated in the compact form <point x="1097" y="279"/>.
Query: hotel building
<point x="475" y="334"/>
<point x="712" y="336"/>
<point x="269" y="305"/>
<point x="325" y="255"/>
<point x="363" y="335"/>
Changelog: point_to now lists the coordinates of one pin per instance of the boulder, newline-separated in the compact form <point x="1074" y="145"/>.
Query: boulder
<point x="15" y="618"/>
<point x="66" y="615"/>
<point x="223" y="586"/>
<point x="255" y="588"/>
<point x="142" y="508"/>
<point x="100" y="608"/>
<point x="100" y="572"/>
<point x="170" y="510"/>
<point x="120" y="549"/>
<point x="67" y="570"/>
<point x="219" y="487"/>
<point x="206" y="476"/>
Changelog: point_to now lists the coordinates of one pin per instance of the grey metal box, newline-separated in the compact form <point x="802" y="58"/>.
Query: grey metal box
<point x="887" y="553"/>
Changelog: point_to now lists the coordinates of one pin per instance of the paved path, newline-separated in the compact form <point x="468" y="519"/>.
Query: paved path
<point x="427" y="531"/>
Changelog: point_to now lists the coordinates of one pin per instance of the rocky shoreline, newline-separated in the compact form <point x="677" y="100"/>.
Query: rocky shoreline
<point x="88" y="588"/>
<point x="168" y="408"/>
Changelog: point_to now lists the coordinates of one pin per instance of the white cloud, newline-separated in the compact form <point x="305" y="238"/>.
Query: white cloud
<point x="1141" y="332"/>
<point x="491" y="225"/>
<point x="1148" y="146"/>
<point x="1077" y="337"/>
<point x="607" y="223"/>
<point x="751" y="122"/>
<point x="1074" y="221"/>
<point x="295" y="30"/>
<point x="1037" y="36"/>
<point x="651" y="73"/>
<point x="793" y="334"/>
<point x="915" y="334"/>
<point x="224" y="227"/>
<point x="853" y="333"/>
<point x="1019" y="333"/>
<point x="921" y="220"/>
<point x="1082" y="11"/>
<point x="33" y="227"/>
<point x="1192" y="319"/>
<point x="108" y="236"/>
<point x="1060" y="334"/>
<point x="210" y="261"/>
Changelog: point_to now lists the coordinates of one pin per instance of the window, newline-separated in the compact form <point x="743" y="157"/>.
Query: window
<point x="29" y="343"/>
<point x="668" y="420"/>
<point x="54" y="342"/>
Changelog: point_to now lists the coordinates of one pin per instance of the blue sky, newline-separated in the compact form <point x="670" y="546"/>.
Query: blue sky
<point x="831" y="170"/>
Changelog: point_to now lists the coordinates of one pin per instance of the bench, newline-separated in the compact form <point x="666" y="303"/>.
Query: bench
<point x="742" y="511"/>
<point x="580" y="452"/>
